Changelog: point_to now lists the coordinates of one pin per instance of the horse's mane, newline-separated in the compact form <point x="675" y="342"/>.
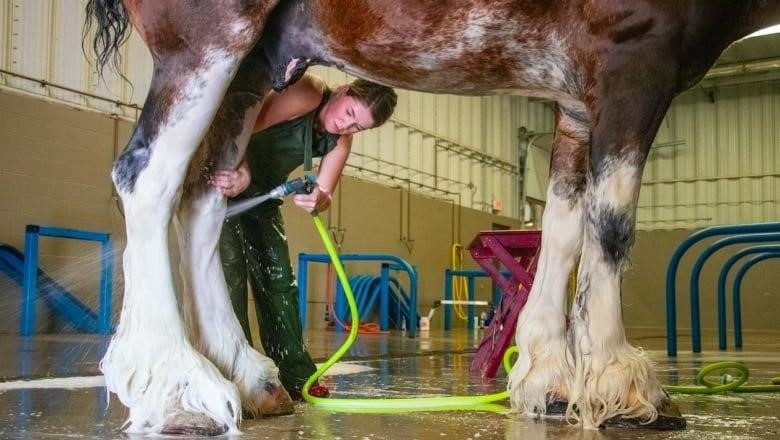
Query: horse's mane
<point x="112" y="30"/>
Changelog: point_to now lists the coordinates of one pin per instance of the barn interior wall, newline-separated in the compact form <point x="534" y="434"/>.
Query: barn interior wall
<point x="55" y="165"/>
<point x="54" y="170"/>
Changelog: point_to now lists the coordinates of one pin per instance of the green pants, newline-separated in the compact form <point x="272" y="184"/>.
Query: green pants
<point x="253" y="248"/>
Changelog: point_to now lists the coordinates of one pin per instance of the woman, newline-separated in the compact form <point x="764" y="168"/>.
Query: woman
<point x="307" y="120"/>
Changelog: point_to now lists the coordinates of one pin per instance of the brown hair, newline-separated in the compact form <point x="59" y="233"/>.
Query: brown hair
<point x="379" y="99"/>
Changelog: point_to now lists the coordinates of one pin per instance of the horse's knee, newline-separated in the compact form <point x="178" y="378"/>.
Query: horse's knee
<point x="129" y="164"/>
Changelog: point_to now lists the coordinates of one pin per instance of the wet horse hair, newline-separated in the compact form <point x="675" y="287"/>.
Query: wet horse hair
<point x="612" y="68"/>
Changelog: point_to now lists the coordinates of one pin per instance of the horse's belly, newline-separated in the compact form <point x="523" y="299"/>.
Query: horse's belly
<point x="455" y="70"/>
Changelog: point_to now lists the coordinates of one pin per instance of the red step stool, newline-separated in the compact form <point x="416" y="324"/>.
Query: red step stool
<point x="517" y="252"/>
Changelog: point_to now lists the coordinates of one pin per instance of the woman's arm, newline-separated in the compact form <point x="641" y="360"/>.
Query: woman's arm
<point x="302" y="97"/>
<point x="331" y="167"/>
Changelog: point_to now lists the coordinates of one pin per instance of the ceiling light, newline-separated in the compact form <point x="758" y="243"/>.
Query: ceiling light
<point x="766" y="31"/>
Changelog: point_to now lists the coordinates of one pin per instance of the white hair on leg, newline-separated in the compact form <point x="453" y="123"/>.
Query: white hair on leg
<point x="216" y="331"/>
<point x="611" y="377"/>
<point x="150" y="364"/>
<point x="541" y="372"/>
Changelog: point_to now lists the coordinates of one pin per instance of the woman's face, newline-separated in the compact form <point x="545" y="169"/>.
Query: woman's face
<point x="346" y="114"/>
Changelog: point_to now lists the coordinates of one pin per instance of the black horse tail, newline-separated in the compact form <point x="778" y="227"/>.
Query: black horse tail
<point x="112" y="30"/>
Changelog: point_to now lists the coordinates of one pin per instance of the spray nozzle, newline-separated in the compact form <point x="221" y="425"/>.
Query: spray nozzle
<point x="301" y="185"/>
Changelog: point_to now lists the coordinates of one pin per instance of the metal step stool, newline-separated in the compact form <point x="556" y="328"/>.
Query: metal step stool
<point x="514" y="252"/>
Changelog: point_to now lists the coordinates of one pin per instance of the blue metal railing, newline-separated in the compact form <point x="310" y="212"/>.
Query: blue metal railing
<point x="696" y="275"/>
<point x="724" y="271"/>
<point x="471" y="276"/>
<point x="738" y="294"/>
<point x="30" y="273"/>
<point x="399" y="264"/>
<point x="674" y="263"/>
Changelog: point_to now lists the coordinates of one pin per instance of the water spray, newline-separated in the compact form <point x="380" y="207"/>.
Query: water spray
<point x="301" y="185"/>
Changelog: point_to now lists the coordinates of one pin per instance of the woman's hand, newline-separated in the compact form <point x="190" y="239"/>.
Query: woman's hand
<point x="318" y="200"/>
<point x="230" y="182"/>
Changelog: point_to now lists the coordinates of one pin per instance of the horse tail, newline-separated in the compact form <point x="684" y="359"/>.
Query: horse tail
<point x="112" y="29"/>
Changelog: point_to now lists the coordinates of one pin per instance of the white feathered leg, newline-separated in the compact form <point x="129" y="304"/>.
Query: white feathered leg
<point x="612" y="378"/>
<point x="541" y="374"/>
<point x="150" y="364"/>
<point x="213" y="325"/>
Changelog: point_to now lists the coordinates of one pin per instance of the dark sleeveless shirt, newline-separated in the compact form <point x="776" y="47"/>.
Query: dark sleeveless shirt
<point x="276" y="151"/>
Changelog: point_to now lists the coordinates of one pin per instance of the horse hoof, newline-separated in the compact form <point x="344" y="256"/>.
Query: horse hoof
<point x="669" y="419"/>
<point x="184" y="423"/>
<point x="276" y="401"/>
<point x="555" y="409"/>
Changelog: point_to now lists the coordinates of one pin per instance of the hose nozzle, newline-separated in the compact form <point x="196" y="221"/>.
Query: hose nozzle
<point x="301" y="185"/>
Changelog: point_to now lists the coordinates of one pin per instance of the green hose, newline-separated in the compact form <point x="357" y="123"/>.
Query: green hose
<point x="483" y="402"/>
<point x="727" y="383"/>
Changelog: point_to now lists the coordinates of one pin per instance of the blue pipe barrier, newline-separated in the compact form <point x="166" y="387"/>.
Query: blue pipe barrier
<point x="471" y="276"/>
<point x="62" y="302"/>
<point x="398" y="264"/>
<point x="738" y="292"/>
<point x="674" y="264"/>
<point x="722" y="344"/>
<point x="367" y="290"/>
<point x="696" y="274"/>
<point x="384" y="297"/>
<point x="30" y="273"/>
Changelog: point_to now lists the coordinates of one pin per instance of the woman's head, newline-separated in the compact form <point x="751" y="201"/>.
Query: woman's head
<point x="358" y="106"/>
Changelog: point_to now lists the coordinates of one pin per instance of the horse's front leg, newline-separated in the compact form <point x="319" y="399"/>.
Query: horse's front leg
<point x="213" y="327"/>
<point x="150" y="364"/>
<point x="541" y="376"/>
<point x="613" y="381"/>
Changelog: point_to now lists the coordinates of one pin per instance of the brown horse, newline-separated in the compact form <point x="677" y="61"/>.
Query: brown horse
<point x="613" y="68"/>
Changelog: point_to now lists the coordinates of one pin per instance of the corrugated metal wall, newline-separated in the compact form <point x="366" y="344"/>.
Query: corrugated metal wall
<point x="459" y="148"/>
<point x="41" y="42"/>
<point x="716" y="160"/>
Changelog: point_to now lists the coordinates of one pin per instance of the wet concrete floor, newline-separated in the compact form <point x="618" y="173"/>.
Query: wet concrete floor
<point x="392" y="366"/>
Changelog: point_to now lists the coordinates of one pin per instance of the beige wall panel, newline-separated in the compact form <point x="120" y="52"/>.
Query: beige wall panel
<point x="54" y="170"/>
<point x="644" y="294"/>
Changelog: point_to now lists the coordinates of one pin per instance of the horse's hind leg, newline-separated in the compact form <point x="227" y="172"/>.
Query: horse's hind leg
<point x="541" y="375"/>
<point x="614" y="381"/>
<point x="214" y="328"/>
<point x="150" y="364"/>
